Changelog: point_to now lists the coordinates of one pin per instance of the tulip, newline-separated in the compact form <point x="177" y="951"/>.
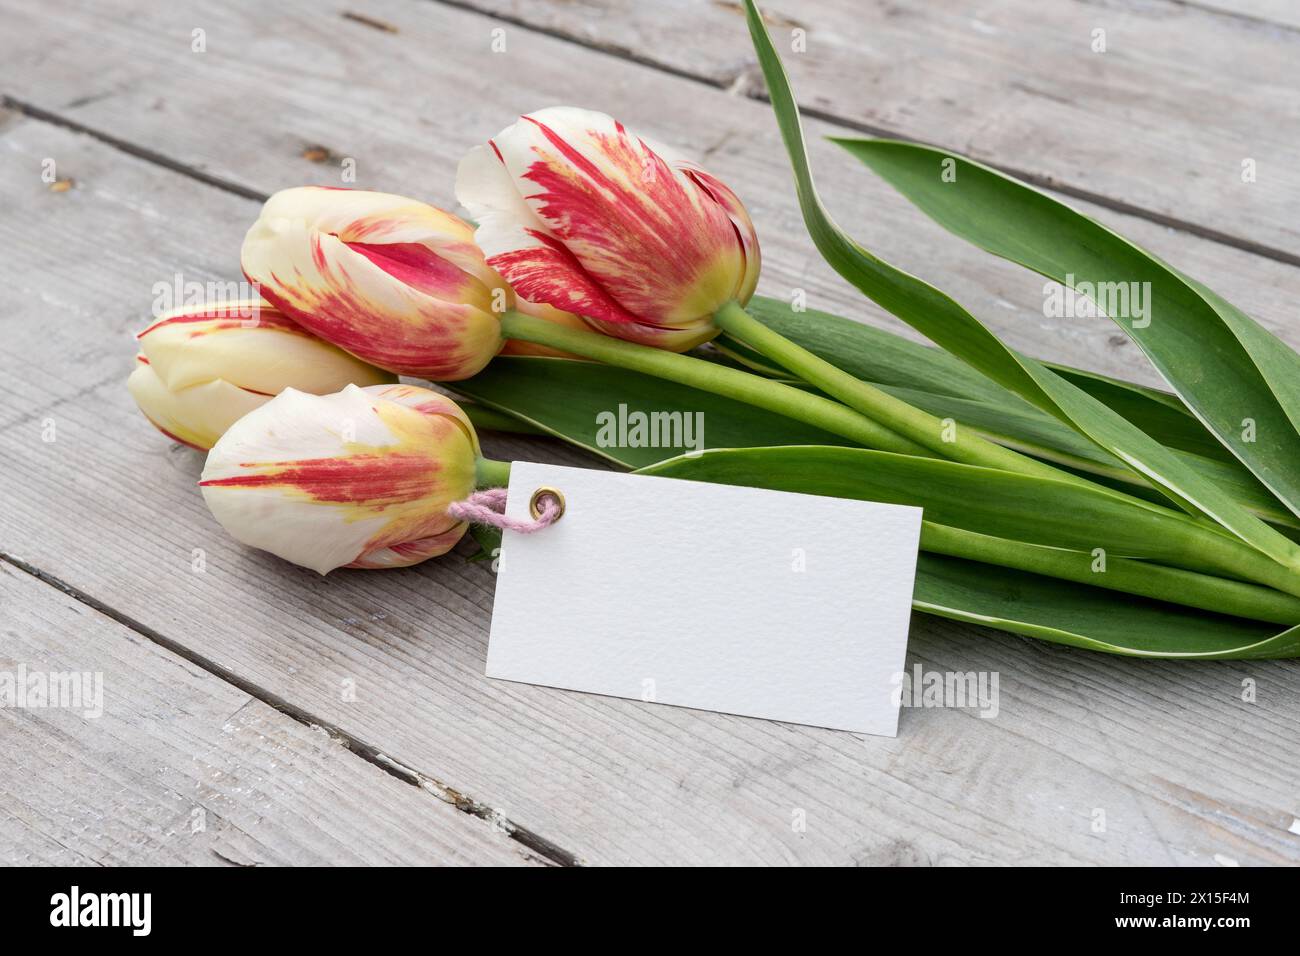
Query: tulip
<point x="202" y="368"/>
<point x="576" y="212"/>
<point x="396" y="282"/>
<point x="361" y="478"/>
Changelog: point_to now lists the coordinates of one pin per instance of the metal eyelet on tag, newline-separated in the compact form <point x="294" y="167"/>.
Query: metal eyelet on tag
<point x="535" y="502"/>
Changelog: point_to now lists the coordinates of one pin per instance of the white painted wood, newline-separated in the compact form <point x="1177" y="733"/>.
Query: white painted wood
<point x="1161" y="120"/>
<point x="175" y="766"/>
<point x="1280" y="12"/>
<point x="245" y="110"/>
<point x="1182" y="768"/>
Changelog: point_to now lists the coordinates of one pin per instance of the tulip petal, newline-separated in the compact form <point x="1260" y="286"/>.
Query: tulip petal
<point x="196" y="415"/>
<point x="249" y="344"/>
<point x="394" y="281"/>
<point x="334" y="480"/>
<point x="638" y="225"/>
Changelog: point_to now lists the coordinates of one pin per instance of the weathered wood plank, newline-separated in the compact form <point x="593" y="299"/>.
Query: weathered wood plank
<point x="161" y="763"/>
<point x="1281" y="12"/>
<point x="1161" y="120"/>
<point x="321" y="91"/>
<point x="1182" y="768"/>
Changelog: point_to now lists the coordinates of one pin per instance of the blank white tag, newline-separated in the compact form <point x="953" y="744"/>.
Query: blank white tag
<point x="740" y="600"/>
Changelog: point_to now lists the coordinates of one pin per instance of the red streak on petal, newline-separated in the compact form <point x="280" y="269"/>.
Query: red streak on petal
<point x="645" y="236"/>
<point x="414" y="264"/>
<point x="552" y="274"/>
<point x="431" y="347"/>
<point x="227" y="317"/>
<point x="376" y="481"/>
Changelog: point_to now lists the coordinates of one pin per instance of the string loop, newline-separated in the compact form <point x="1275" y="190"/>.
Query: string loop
<point x="489" y="505"/>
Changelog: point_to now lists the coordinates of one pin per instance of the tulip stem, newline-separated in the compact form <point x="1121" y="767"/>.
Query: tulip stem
<point x="1207" y="592"/>
<point x="707" y="376"/>
<point x="942" y="437"/>
<point x="490" y="473"/>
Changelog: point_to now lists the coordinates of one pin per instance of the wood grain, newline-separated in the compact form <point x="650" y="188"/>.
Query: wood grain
<point x="1181" y="766"/>
<point x="175" y="766"/>
<point x="245" y="112"/>
<point x="1160" y="121"/>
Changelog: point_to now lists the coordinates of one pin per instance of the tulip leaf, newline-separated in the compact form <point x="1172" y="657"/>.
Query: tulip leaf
<point x="1002" y="504"/>
<point x="1224" y="365"/>
<point x="884" y="358"/>
<point x="874" y="355"/>
<point x="612" y="412"/>
<point x="1022" y="603"/>
<point x="942" y="320"/>
<point x="567" y="398"/>
<point x="1027" y="430"/>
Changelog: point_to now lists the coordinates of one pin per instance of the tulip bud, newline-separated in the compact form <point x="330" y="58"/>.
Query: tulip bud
<point x="579" y="213"/>
<point x="394" y="281"/>
<point x="201" y="368"/>
<point x="361" y="478"/>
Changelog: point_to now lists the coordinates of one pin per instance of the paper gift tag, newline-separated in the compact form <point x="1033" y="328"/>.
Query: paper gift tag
<point x="741" y="600"/>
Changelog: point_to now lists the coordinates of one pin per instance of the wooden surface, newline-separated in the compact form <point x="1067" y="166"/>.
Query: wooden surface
<point x="347" y="719"/>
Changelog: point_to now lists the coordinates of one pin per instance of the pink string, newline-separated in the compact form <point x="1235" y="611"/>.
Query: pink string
<point x="488" y="507"/>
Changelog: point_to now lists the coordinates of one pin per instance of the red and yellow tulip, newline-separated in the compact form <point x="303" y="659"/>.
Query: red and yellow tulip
<point x="361" y="478"/>
<point x="396" y="282"/>
<point x="201" y="368"/>
<point x="577" y="212"/>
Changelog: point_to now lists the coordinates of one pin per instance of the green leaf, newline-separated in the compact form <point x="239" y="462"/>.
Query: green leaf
<point x="574" y="400"/>
<point x="874" y="355"/>
<point x="1015" y="601"/>
<point x="566" y="398"/>
<point x="945" y="322"/>
<point x="1091" y="618"/>
<point x="1027" y="430"/>
<point x="1001" y="504"/>
<point x="1222" y="364"/>
<point x="884" y="358"/>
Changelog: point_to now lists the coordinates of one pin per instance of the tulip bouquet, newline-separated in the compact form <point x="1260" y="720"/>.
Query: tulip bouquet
<point x="1059" y="504"/>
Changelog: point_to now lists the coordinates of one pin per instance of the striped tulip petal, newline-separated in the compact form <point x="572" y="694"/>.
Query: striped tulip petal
<point x="195" y="415"/>
<point x="577" y="212"/>
<point x="249" y="344"/>
<point x="394" y="281"/>
<point x="202" y="367"/>
<point x="360" y="478"/>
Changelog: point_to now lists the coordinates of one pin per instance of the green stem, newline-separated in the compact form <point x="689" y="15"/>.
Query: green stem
<point x="942" y="437"/>
<point x="1175" y="585"/>
<point x="967" y="446"/>
<point x="490" y="473"/>
<point x="1205" y="546"/>
<point x="711" y="377"/>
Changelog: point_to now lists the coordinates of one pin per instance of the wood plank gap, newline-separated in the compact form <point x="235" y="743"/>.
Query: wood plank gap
<point x="32" y="111"/>
<point x="739" y="85"/>
<point x="372" y="755"/>
<point x="1236" y="15"/>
